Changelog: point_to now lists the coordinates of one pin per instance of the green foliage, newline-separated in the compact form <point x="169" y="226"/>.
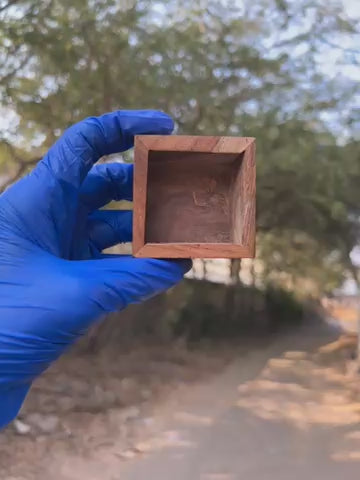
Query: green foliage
<point x="197" y="310"/>
<point x="205" y="312"/>
<point x="282" y="307"/>
<point x="217" y="68"/>
<point x="294" y="260"/>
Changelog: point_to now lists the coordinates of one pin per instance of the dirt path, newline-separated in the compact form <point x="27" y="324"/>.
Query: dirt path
<point x="276" y="414"/>
<point x="286" y="411"/>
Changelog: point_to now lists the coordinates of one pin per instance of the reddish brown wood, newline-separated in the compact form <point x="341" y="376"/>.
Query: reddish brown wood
<point x="194" y="197"/>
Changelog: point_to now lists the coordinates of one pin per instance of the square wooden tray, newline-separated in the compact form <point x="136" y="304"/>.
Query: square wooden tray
<point x="194" y="197"/>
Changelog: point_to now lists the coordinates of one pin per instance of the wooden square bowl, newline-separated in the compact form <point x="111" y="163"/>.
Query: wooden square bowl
<point x="194" y="197"/>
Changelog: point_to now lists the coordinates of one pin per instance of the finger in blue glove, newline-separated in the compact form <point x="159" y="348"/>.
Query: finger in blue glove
<point x="54" y="279"/>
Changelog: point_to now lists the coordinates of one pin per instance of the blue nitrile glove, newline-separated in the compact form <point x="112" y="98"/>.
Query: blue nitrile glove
<point x="54" y="280"/>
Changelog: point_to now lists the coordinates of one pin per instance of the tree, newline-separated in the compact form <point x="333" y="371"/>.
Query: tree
<point x="217" y="68"/>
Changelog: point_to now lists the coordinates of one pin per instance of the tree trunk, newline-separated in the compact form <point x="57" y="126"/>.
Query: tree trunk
<point x="252" y="273"/>
<point x="235" y="267"/>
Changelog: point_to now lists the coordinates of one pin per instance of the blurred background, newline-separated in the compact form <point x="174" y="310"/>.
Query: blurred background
<point x="282" y="327"/>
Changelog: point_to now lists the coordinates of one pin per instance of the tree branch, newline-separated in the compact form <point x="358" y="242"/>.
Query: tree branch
<point x="353" y="51"/>
<point x="23" y="165"/>
<point x="5" y="79"/>
<point x="7" y="5"/>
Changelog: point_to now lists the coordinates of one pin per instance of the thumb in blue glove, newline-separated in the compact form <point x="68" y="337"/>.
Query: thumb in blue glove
<point x="54" y="280"/>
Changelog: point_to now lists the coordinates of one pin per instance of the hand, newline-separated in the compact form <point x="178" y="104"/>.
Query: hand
<point x="54" y="279"/>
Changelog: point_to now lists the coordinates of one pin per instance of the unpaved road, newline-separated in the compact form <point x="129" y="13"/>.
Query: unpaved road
<point x="277" y="414"/>
<point x="281" y="412"/>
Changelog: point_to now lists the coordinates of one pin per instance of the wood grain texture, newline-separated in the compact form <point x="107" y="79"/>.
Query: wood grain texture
<point x="188" y="199"/>
<point x="189" y="143"/>
<point x="236" y="202"/>
<point x="248" y="198"/>
<point x="194" y="250"/>
<point x="139" y="195"/>
<point x="194" y="197"/>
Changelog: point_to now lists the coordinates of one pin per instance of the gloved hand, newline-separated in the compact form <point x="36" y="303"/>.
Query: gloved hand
<point x="54" y="280"/>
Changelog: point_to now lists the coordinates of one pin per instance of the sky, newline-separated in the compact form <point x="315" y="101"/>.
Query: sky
<point x="352" y="7"/>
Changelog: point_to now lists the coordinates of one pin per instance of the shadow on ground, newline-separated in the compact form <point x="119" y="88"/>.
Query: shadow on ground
<point x="282" y="408"/>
